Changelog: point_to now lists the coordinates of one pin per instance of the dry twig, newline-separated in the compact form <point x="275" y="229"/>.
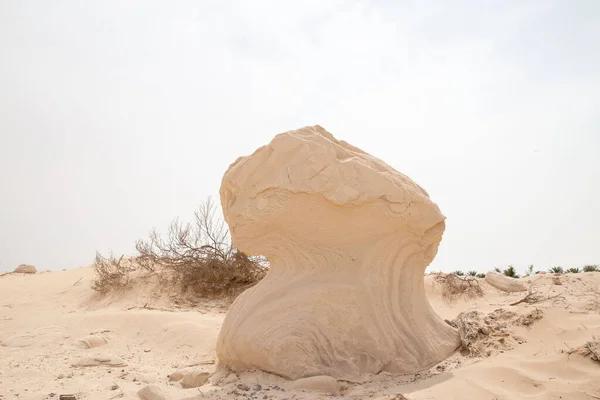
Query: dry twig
<point x="591" y="349"/>
<point x="454" y="286"/>
<point x="533" y="297"/>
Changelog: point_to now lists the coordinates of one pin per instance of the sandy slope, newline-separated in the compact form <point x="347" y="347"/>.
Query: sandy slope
<point x="43" y="316"/>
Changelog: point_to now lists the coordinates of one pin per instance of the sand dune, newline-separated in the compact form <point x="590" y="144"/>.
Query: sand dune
<point x="140" y="337"/>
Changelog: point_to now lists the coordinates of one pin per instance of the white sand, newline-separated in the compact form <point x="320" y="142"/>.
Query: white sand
<point x="44" y="316"/>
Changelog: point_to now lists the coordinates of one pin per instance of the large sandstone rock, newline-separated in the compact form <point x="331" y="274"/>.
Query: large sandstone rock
<point x="348" y="239"/>
<point x="25" y="269"/>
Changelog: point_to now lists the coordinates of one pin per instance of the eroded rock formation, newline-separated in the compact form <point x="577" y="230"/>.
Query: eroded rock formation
<point x="503" y="282"/>
<point x="348" y="239"/>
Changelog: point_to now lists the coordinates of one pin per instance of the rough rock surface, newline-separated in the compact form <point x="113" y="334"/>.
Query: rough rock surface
<point x="25" y="269"/>
<point x="503" y="282"/>
<point x="348" y="239"/>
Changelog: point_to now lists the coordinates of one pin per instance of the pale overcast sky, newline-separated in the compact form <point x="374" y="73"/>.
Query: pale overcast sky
<point x="117" y="116"/>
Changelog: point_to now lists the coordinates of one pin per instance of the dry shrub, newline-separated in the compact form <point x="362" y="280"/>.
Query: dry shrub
<point x="200" y="257"/>
<point x="591" y="349"/>
<point x="454" y="287"/>
<point x="111" y="273"/>
<point x="483" y="334"/>
<point x="195" y="257"/>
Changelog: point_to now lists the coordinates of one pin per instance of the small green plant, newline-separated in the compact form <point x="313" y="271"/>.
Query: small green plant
<point x="459" y="273"/>
<point x="573" y="270"/>
<point x="472" y="273"/>
<point x="591" y="268"/>
<point x="511" y="272"/>
<point x="498" y="270"/>
<point x="529" y="270"/>
<point x="557" y="270"/>
<point x="480" y="275"/>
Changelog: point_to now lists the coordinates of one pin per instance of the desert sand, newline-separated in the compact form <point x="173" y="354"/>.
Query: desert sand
<point x="345" y="310"/>
<point x="46" y="318"/>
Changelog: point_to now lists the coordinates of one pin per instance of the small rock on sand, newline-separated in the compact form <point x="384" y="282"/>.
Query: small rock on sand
<point x="141" y="377"/>
<point x="325" y="384"/>
<point x="231" y="378"/>
<point x="25" y="269"/>
<point x="193" y="379"/>
<point x="176" y="376"/>
<point x="91" y="341"/>
<point x="95" y="361"/>
<point x="556" y="280"/>
<point x="151" y="392"/>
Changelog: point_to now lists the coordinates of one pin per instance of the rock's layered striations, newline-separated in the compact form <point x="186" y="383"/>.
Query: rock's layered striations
<point x="348" y="239"/>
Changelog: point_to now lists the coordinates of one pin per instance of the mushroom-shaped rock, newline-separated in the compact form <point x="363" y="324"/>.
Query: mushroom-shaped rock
<point x="348" y="239"/>
<point x="25" y="269"/>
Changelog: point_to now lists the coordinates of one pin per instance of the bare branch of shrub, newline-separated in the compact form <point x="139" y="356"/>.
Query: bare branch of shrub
<point x="591" y="349"/>
<point x="196" y="257"/>
<point x="533" y="297"/>
<point x="454" y="286"/>
<point x="200" y="257"/>
<point x="111" y="273"/>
